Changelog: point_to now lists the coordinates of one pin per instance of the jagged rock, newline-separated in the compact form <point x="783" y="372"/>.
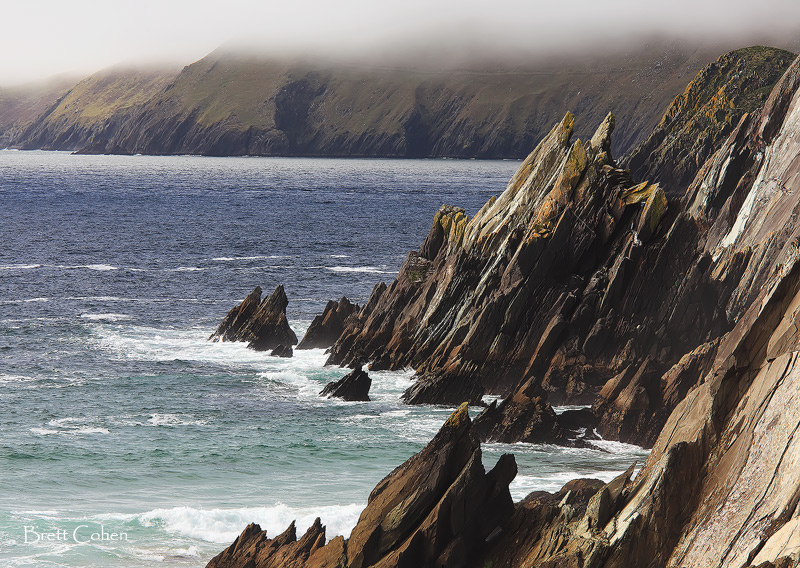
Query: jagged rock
<point x="282" y="351"/>
<point x="326" y="328"/>
<point x="262" y="324"/>
<point x="700" y="119"/>
<point x="578" y="278"/>
<point x="437" y="389"/>
<point x="439" y="508"/>
<point x="522" y="419"/>
<point x="352" y="387"/>
<point x="253" y="548"/>
<point x="720" y="487"/>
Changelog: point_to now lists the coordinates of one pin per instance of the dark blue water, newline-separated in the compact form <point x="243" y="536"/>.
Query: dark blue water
<point x="115" y="408"/>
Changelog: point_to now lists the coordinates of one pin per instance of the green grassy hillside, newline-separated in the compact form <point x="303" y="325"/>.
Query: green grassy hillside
<point x="234" y="104"/>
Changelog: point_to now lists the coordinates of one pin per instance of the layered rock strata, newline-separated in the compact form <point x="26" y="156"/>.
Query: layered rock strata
<point x="577" y="285"/>
<point x="261" y="323"/>
<point x="353" y="386"/>
<point x="439" y="508"/>
<point x="720" y="487"/>
<point x="326" y="328"/>
<point x="701" y="118"/>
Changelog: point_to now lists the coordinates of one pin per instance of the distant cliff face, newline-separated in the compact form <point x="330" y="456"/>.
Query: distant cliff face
<point x="701" y="117"/>
<point x="229" y="104"/>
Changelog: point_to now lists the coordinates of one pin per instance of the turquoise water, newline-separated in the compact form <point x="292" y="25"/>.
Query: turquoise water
<point x="116" y="411"/>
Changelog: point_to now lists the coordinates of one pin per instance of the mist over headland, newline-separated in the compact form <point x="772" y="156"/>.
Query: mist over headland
<point x="82" y="37"/>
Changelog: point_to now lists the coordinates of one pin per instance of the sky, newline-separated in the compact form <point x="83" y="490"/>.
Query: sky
<point x="42" y="38"/>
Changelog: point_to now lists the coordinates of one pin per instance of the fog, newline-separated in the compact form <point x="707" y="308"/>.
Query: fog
<point x="48" y="37"/>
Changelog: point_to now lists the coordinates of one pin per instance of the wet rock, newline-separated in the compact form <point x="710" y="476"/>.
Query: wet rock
<point x="282" y="351"/>
<point x="262" y="324"/>
<point x="443" y="389"/>
<point x="521" y="419"/>
<point x="326" y="328"/>
<point x="352" y="387"/>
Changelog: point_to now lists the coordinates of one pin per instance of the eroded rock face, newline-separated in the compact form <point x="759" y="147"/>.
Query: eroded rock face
<point x="352" y="387"/>
<point x="579" y="280"/>
<point x="262" y="324"/>
<point x="703" y="116"/>
<point x="439" y="508"/>
<point x="328" y="326"/>
<point x="720" y="487"/>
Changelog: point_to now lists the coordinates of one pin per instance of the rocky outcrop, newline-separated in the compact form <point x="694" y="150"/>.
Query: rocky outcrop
<point x="352" y="387"/>
<point x="525" y="418"/>
<point x="719" y="488"/>
<point x="262" y="324"/>
<point x="282" y="350"/>
<point x="326" y="328"/>
<point x="578" y="285"/>
<point x="439" y="508"/>
<point x="534" y="286"/>
<point x="703" y="116"/>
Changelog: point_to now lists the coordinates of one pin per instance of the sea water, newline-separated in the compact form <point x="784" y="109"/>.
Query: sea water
<point x="130" y="440"/>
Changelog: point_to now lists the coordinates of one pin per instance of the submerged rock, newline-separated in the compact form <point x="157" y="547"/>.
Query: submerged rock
<point x="352" y="387"/>
<point x="282" y="351"/>
<point x="439" y="508"/>
<point x="327" y="327"/>
<point x="262" y="324"/>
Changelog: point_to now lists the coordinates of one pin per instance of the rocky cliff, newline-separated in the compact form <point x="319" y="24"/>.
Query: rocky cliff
<point x="720" y="487"/>
<point x="235" y="104"/>
<point x="579" y="284"/>
<point x="702" y="117"/>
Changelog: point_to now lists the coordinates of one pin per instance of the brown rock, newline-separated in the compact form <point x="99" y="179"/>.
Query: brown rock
<point x="262" y="324"/>
<point x="326" y="328"/>
<point x="352" y="387"/>
<point x="439" y="508"/>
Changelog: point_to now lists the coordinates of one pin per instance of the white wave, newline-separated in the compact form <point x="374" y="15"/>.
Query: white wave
<point x="7" y="379"/>
<point x="563" y="409"/>
<point x="260" y="257"/>
<point x="339" y="255"/>
<point x="364" y="269"/>
<point x="620" y="447"/>
<point x="71" y="426"/>
<point x="105" y="317"/>
<point x="97" y="267"/>
<point x="174" y="420"/>
<point x="36" y="300"/>
<point x="88" y="430"/>
<point x="101" y="298"/>
<point x="186" y="269"/>
<point x="306" y="387"/>
<point x="522" y="485"/>
<point x="224" y="525"/>
<point x="44" y="431"/>
<point x="19" y="266"/>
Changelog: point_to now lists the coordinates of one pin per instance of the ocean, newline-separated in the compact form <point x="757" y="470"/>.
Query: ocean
<point x="130" y="440"/>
